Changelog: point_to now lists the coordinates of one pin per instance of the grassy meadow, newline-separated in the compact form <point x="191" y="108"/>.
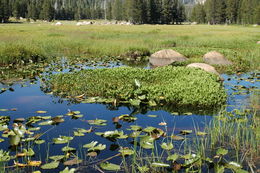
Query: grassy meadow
<point x="41" y="40"/>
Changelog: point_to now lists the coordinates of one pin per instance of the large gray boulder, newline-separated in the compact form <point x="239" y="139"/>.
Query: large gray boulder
<point x="166" y="57"/>
<point x="204" y="67"/>
<point x="216" y="58"/>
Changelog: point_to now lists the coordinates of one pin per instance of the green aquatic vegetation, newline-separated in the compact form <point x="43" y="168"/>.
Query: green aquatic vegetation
<point x="126" y="85"/>
<point x="18" y="54"/>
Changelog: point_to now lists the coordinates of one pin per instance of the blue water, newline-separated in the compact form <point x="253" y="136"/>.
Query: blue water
<point x="29" y="99"/>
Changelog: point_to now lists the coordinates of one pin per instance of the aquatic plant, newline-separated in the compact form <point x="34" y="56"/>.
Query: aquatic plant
<point x="160" y="86"/>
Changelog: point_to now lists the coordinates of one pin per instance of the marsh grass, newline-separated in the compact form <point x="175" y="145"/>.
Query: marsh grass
<point x="232" y="138"/>
<point x="112" y="40"/>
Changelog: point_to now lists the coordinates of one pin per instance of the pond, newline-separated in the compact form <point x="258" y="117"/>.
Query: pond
<point x="24" y="99"/>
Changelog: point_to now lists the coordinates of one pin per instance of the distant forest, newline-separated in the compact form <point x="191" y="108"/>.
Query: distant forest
<point x="227" y="11"/>
<point x="135" y="11"/>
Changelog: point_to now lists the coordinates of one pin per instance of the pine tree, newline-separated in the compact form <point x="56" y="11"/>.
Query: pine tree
<point x="47" y="12"/>
<point x="257" y="15"/>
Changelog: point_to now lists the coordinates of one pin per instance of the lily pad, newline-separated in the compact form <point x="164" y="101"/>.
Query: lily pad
<point x="173" y="157"/>
<point x="74" y="161"/>
<point x="67" y="170"/>
<point x="185" y="132"/>
<point x="167" y="146"/>
<point x="41" y="112"/>
<point x="126" y="151"/>
<point x="109" y="166"/>
<point x="67" y="149"/>
<point x="97" y="122"/>
<point x="51" y="165"/>
<point x="222" y="151"/>
<point x="147" y="142"/>
<point x="159" y="164"/>
<point x="57" y="157"/>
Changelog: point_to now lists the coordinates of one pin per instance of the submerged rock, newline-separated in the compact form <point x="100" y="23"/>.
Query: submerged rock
<point x="166" y="57"/>
<point x="216" y="58"/>
<point x="204" y="67"/>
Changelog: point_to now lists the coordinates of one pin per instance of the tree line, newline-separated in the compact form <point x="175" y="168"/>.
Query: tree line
<point x="136" y="11"/>
<point x="227" y="12"/>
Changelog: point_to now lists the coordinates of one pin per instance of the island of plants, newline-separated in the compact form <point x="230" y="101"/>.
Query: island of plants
<point x="135" y="86"/>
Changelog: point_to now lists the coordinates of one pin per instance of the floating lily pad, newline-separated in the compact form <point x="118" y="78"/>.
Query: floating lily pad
<point x="222" y="151"/>
<point x="62" y="139"/>
<point x="167" y="146"/>
<point x="152" y="116"/>
<point x="173" y="157"/>
<point x="185" y="132"/>
<point x="57" y="157"/>
<point x="97" y="122"/>
<point x="147" y="142"/>
<point x="201" y="133"/>
<point x="39" y="141"/>
<point x="67" y="170"/>
<point x="109" y="166"/>
<point x="74" y="161"/>
<point x="159" y="164"/>
<point x="51" y="165"/>
<point x="68" y="149"/>
<point x="126" y="151"/>
<point x="135" y="127"/>
<point x="34" y="163"/>
<point x="127" y="118"/>
<point x="41" y="112"/>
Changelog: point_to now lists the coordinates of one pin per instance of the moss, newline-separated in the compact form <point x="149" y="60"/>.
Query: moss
<point x="160" y="86"/>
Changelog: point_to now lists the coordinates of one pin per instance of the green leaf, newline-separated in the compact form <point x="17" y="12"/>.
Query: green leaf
<point x="57" y="157"/>
<point x="166" y="146"/>
<point x="177" y="138"/>
<point x="222" y="151"/>
<point x="135" y="102"/>
<point x="90" y="145"/>
<point x="39" y="141"/>
<point x="4" y="156"/>
<point x="109" y="166"/>
<point x="67" y="170"/>
<point x="147" y="142"/>
<point x="185" y="132"/>
<point x="143" y="169"/>
<point x="173" y="157"/>
<point x="159" y="164"/>
<point x="51" y="165"/>
<point x="126" y="151"/>
<point x="135" y="127"/>
<point x="97" y="122"/>
<point x="67" y="149"/>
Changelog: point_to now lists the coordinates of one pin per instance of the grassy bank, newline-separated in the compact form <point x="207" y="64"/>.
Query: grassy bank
<point x="72" y="41"/>
<point x="135" y="86"/>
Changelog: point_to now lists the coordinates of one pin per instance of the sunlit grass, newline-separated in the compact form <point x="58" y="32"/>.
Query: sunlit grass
<point x="114" y="40"/>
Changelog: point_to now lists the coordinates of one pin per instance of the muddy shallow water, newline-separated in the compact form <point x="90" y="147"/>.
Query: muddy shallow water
<point x="28" y="98"/>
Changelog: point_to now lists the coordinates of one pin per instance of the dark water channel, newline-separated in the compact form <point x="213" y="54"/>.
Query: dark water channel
<point x="28" y="98"/>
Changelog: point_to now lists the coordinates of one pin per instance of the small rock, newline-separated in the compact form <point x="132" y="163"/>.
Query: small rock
<point x="216" y="58"/>
<point x="258" y="42"/>
<point x="58" y="24"/>
<point x="204" y="67"/>
<point x="166" y="57"/>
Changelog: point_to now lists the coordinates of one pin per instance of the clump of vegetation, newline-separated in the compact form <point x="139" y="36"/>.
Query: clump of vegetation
<point x="165" y="85"/>
<point x="17" y="54"/>
<point x="137" y="54"/>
